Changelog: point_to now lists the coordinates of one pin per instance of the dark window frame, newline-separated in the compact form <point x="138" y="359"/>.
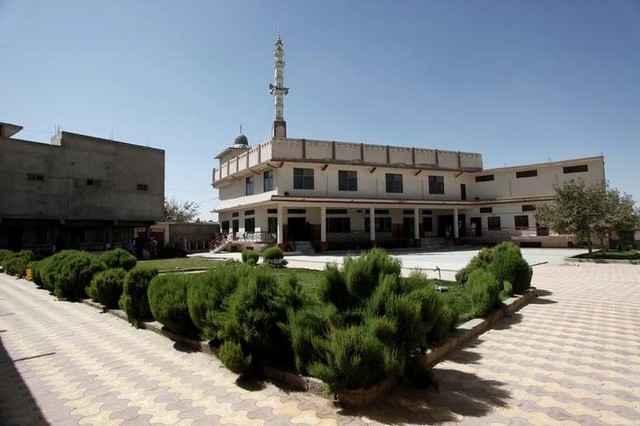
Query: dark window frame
<point x="521" y="222"/>
<point x="347" y="180"/>
<point x="394" y="184"/>
<point x="303" y="179"/>
<point x="485" y="178"/>
<point x="493" y="223"/>
<point x="248" y="185"/>
<point x="267" y="181"/>
<point x="582" y="168"/>
<point x="526" y="174"/>
<point x="436" y="184"/>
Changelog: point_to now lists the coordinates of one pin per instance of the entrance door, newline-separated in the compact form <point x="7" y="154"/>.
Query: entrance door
<point x="298" y="230"/>
<point x="407" y="227"/>
<point x="235" y="228"/>
<point x="476" y="227"/>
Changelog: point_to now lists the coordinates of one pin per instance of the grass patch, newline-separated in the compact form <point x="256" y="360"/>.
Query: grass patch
<point x="180" y="263"/>
<point x="611" y="255"/>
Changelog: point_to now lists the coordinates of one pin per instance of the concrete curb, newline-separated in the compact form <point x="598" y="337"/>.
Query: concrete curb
<point x="614" y="261"/>
<point x="355" y="397"/>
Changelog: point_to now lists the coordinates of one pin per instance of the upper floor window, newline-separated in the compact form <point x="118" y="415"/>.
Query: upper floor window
<point x="268" y="180"/>
<point x="143" y="187"/>
<point x="394" y="182"/>
<point x="302" y="178"/>
<point x="33" y="176"/>
<point x="249" y="185"/>
<point x="486" y="209"/>
<point x="347" y="180"/>
<point x="93" y="182"/>
<point x="436" y="184"/>
<point x="526" y="174"/>
<point x="484" y="178"/>
<point x="576" y="169"/>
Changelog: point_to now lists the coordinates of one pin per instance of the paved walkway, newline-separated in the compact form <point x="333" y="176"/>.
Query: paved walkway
<point x="571" y="357"/>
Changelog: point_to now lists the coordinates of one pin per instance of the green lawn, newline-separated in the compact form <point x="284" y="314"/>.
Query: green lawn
<point x="180" y="263"/>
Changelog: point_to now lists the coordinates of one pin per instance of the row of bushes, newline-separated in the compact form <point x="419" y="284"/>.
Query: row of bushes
<point x="15" y="264"/>
<point x="363" y="324"/>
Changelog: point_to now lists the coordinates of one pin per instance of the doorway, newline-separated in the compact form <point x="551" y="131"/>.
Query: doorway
<point x="298" y="229"/>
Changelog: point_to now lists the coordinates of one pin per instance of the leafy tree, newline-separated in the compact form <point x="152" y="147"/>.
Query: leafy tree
<point x="179" y="211"/>
<point x="584" y="210"/>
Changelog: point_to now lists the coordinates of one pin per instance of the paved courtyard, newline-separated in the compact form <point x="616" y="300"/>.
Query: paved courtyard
<point x="570" y="357"/>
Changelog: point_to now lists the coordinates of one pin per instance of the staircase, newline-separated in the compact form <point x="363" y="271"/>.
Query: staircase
<point x="435" y="243"/>
<point x="305" y="247"/>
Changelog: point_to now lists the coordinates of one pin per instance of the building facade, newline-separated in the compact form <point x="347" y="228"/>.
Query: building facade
<point x="78" y="192"/>
<point x="345" y="195"/>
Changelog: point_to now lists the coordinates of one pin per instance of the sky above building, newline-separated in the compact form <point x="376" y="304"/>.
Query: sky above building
<point x="518" y="81"/>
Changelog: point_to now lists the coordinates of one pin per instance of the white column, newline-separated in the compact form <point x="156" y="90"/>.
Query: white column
<point x="456" y="234"/>
<point x="372" y="225"/>
<point x="280" y="226"/>
<point x="323" y="227"/>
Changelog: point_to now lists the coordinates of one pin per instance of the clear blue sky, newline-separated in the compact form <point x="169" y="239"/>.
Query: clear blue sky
<point x="518" y="81"/>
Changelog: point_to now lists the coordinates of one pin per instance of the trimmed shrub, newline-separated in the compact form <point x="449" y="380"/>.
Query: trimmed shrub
<point x="106" y="287"/>
<point x="484" y="291"/>
<point x="272" y="253"/>
<point x="119" y="258"/>
<point x="5" y="253"/>
<point x="168" y="302"/>
<point x="47" y="271"/>
<point x="75" y="274"/>
<point x="250" y="256"/>
<point x="274" y="258"/>
<point x="16" y="263"/>
<point x="507" y="288"/>
<point x="234" y="358"/>
<point x="509" y="265"/>
<point x="444" y="324"/>
<point x="134" y="300"/>
<point x="208" y="294"/>
<point x="481" y="260"/>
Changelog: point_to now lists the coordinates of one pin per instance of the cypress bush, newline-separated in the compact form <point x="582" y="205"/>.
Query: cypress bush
<point x="481" y="260"/>
<point x="106" y="287"/>
<point x="509" y="265"/>
<point x="250" y="256"/>
<point x="119" y="258"/>
<point x="75" y="273"/>
<point x="47" y="271"/>
<point x="134" y="300"/>
<point x="484" y="291"/>
<point x="233" y="357"/>
<point x="16" y="263"/>
<point x="208" y="294"/>
<point x="274" y="257"/>
<point x="5" y="253"/>
<point x="168" y="302"/>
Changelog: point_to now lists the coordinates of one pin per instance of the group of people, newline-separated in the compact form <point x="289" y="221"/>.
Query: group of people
<point x="142" y="248"/>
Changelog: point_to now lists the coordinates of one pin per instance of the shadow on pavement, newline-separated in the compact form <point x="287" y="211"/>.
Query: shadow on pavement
<point x="17" y="405"/>
<point x="459" y="394"/>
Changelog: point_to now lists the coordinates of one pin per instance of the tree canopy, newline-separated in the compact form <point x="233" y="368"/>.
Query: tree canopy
<point x="587" y="210"/>
<point x="179" y="211"/>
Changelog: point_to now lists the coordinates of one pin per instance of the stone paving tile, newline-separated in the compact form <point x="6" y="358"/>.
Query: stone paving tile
<point x="570" y="357"/>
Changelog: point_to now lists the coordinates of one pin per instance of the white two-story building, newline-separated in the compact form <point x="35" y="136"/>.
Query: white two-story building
<point x="340" y="195"/>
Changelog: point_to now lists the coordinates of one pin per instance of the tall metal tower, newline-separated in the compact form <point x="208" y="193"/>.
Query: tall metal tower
<point x="278" y="90"/>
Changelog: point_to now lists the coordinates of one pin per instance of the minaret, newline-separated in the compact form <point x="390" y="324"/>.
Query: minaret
<point x="278" y="90"/>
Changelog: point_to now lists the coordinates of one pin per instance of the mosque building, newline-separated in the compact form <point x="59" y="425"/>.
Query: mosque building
<point x="315" y="195"/>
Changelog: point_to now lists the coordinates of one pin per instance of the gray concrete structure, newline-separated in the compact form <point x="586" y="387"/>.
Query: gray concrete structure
<point x="77" y="192"/>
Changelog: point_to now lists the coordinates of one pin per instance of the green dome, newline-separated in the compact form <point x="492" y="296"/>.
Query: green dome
<point x="241" y="140"/>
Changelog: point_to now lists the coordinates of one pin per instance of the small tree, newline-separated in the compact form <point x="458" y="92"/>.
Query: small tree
<point x="179" y="211"/>
<point x="583" y="210"/>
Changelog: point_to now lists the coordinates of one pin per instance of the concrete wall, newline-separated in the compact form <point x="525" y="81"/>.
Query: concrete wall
<point x="79" y="177"/>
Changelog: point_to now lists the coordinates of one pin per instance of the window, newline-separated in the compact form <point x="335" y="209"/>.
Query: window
<point x="576" y="169"/>
<point x="235" y="214"/>
<point x="249" y="212"/>
<point x="347" y="180"/>
<point x="486" y="209"/>
<point x="522" y="222"/>
<point x="225" y="226"/>
<point x="394" y="183"/>
<point x="33" y="176"/>
<point x="272" y="211"/>
<point x="528" y="208"/>
<point x="93" y="182"/>
<point x="493" y="223"/>
<point x="272" y="225"/>
<point x="436" y="184"/>
<point x="526" y="174"/>
<point x="268" y="181"/>
<point x="143" y="187"/>
<point x="336" y="211"/>
<point x="249" y="225"/>
<point x="302" y="178"/>
<point x="339" y="224"/>
<point x="381" y="211"/>
<point x="383" y="224"/>
<point x="484" y="178"/>
<point x="407" y="212"/>
<point x="249" y="185"/>
<point x="297" y="211"/>
<point x="427" y="212"/>
<point x="427" y="223"/>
